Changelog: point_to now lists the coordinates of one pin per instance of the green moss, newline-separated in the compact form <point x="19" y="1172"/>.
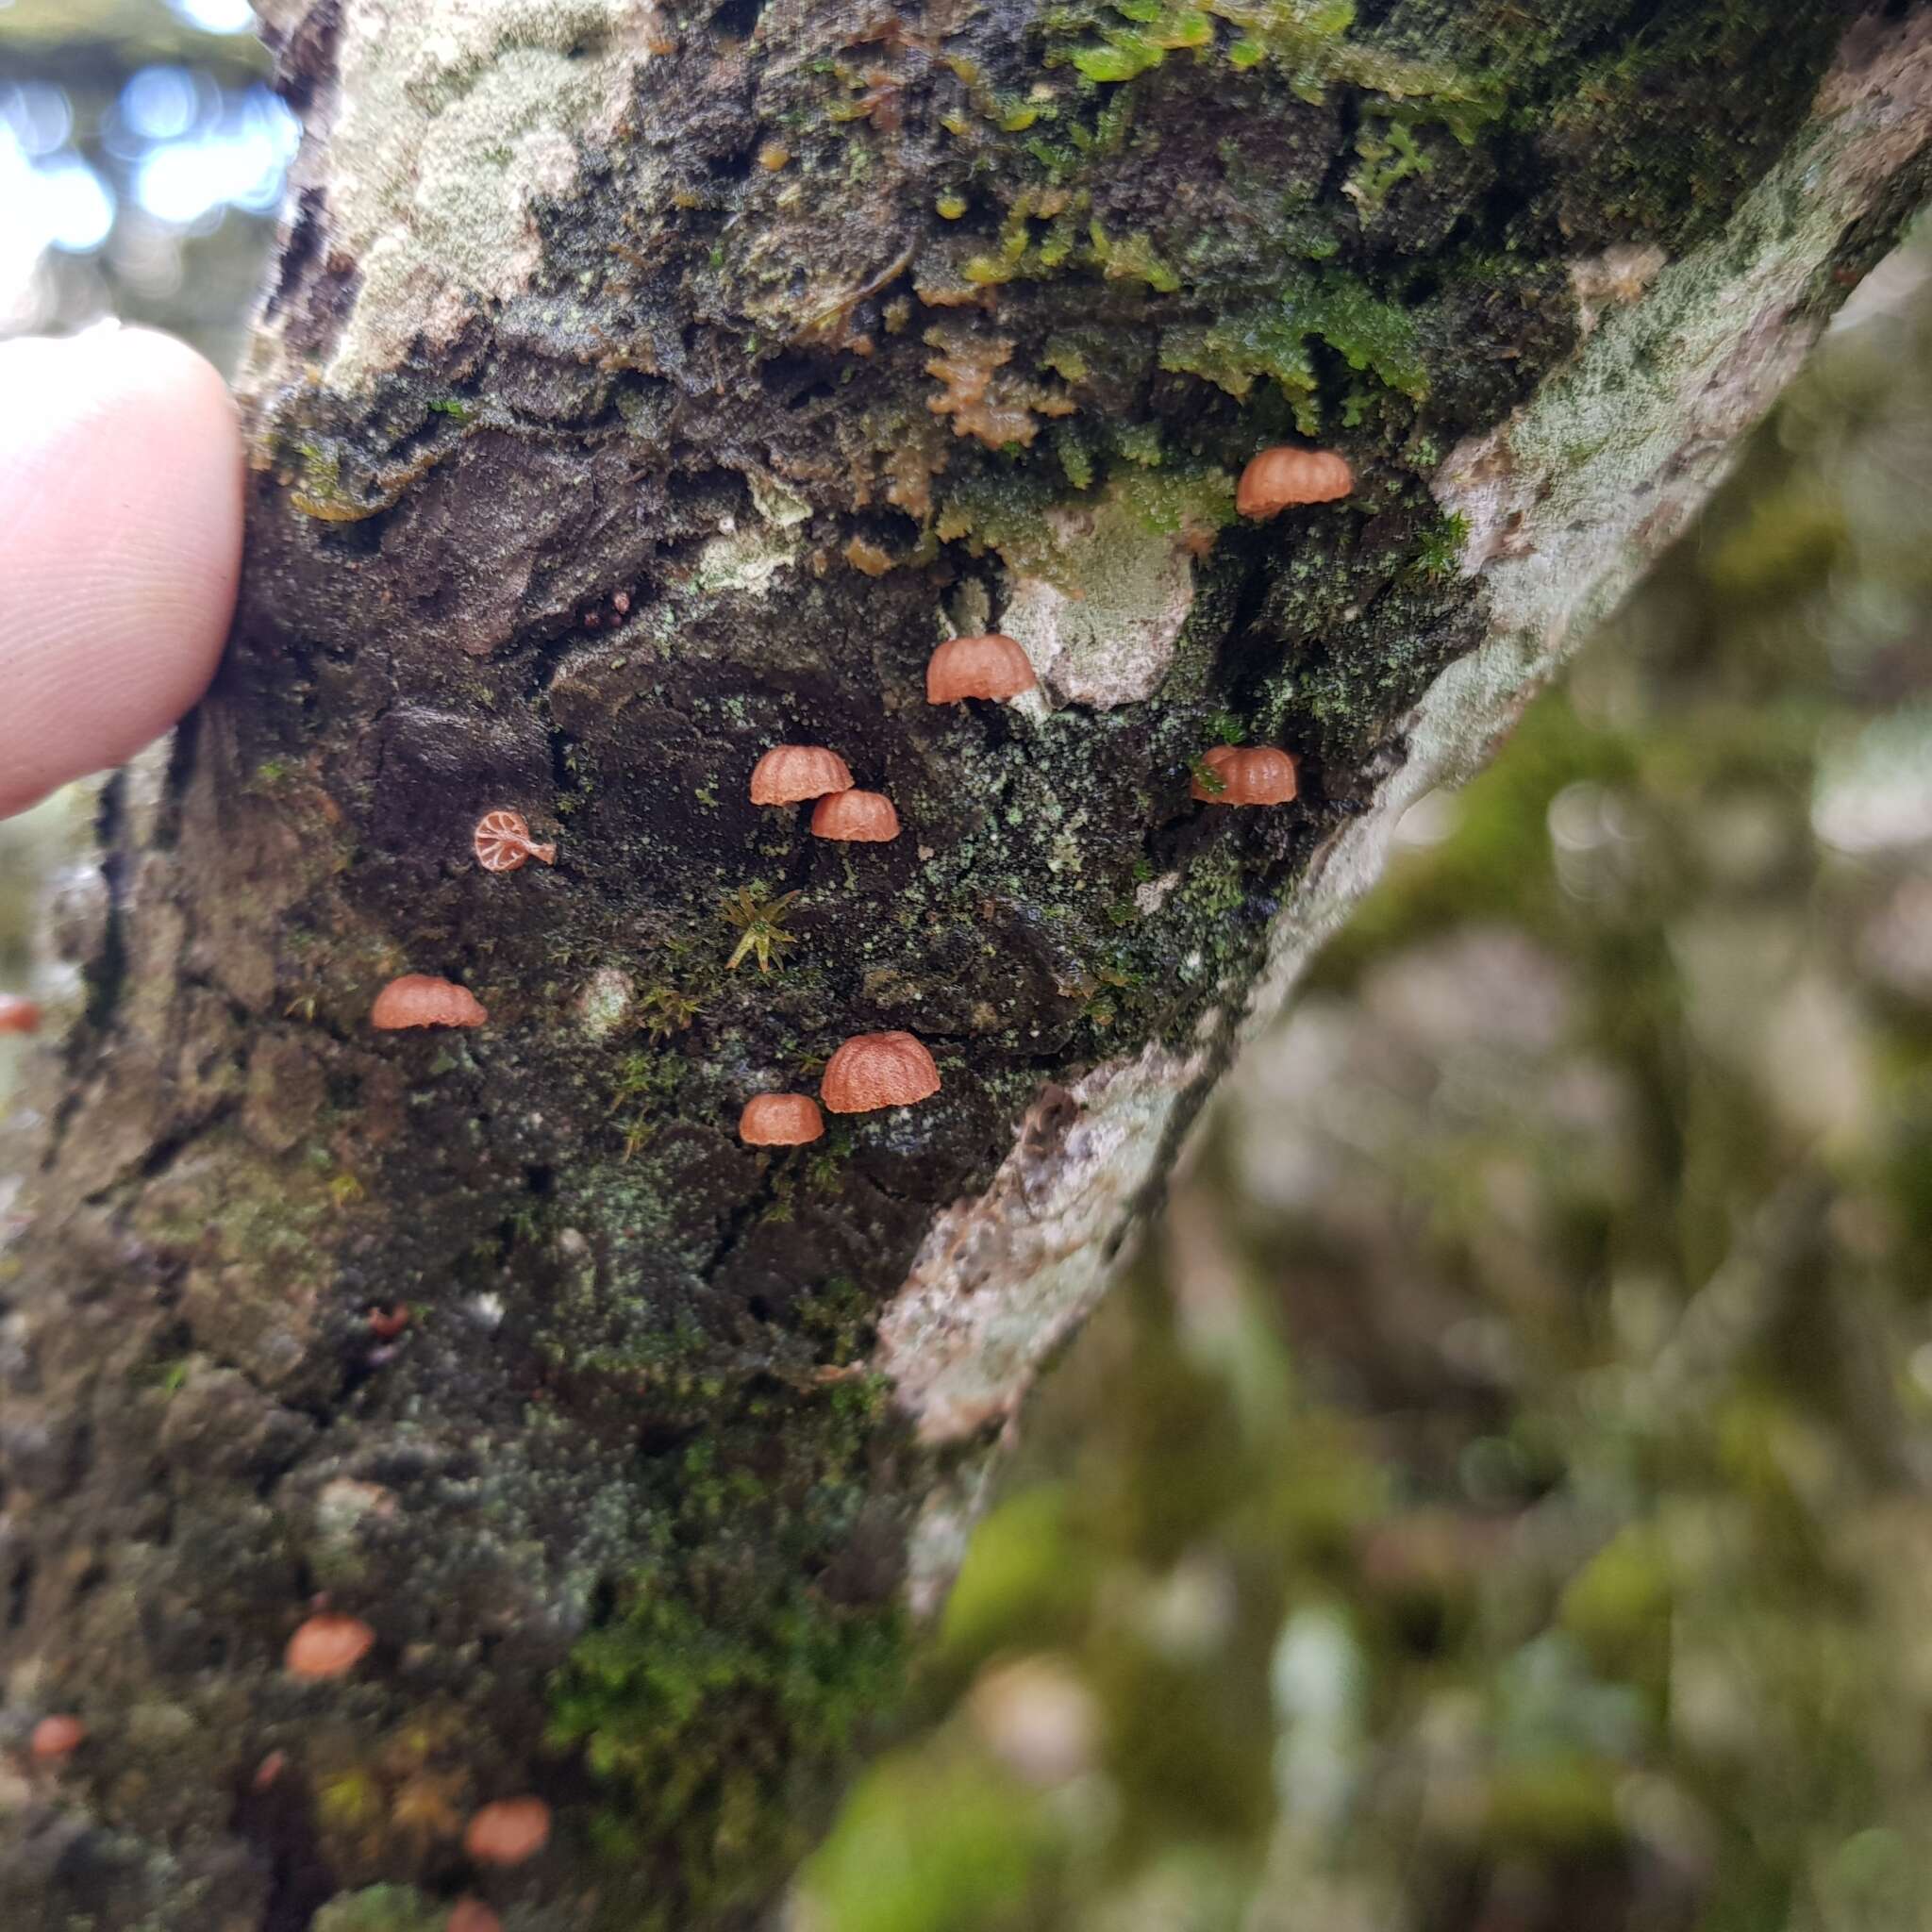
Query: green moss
<point x="1672" y="126"/>
<point x="1131" y="259"/>
<point x="1278" y="342"/>
<point x="711" y="1724"/>
<point x="1148" y="32"/>
<point x="1389" y="156"/>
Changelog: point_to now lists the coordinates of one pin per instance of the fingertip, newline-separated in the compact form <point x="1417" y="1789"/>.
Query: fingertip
<point x="121" y="482"/>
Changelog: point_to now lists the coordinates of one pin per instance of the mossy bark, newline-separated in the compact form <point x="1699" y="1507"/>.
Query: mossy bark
<point x="639" y="389"/>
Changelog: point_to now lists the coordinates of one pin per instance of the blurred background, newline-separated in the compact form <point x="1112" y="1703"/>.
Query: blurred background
<point x="1500" y="1497"/>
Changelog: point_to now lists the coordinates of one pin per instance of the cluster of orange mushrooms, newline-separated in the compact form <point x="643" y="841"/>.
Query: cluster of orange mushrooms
<point x="868" y="1071"/>
<point x="880" y="1070"/>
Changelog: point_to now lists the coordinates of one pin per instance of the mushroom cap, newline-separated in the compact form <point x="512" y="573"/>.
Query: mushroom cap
<point x="57" y="1737"/>
<point x="472" y="1915"/>
<point x="1252" y="775"/>
<point x="18" y="1015"/>
<point x="327" y="1645"/>
<point x="990" y="666"/>
<point x="875" y="1070"/>
<point x="1262" y="775"/>
<point x="502" y="843"/>
<point x="780" y="1119"/>
<point x="509" y="1831"/>
<point x="1280" y="476"/>
<point x="861" y="818"/>
<point x="417" y="1000"/>
<point x="789" y="773"/>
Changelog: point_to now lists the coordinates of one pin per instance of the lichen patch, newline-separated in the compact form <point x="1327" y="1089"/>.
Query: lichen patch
<point x="1101" y="627"/>
<point x="452" y="125"/>
<point x="1001" y="1280"/>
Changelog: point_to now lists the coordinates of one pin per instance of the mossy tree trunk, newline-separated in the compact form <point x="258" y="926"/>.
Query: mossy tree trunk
<point x="639" y="389"/>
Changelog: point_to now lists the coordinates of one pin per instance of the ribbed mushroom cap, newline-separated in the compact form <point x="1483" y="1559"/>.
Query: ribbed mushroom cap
<point x="991" y="666"/>
<point x="780" y="1119"/>
<point x="327" y="1646"/>
<point x="1253" y="775"/>
<point x="502" y="843"/>
<point x="861" y="818"/>
<point x="18" y="1015"/>
<point x="509" y="1831"/>
<point x="1262" y="775"/>
<point x="56" y="1737"/>
<point x="417" y="1000"/>
<point x="1278" y="477"/>
<point x="875" y="1070"/>
<point x="472" y="1915"/>
<point x="789" y="773"/>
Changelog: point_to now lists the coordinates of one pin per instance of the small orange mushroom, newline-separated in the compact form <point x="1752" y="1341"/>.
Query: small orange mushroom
<point x="472" y="1915"/>
<point x="387" y="1324"/>
<point x="859" y="817"/>
<point x="780" y="1119"/>
<point x="327" y="1645"/>
<point x="1256" y="775"/>
<point x="789" y="773"/>
<point x="1278" y="477"/>
<point x="509" y="1831"/>
<point x="417" y="1000"/>
<point x="991" y="666"/>
<point x="503" y="843"/>
<point x="875" y="1070"/>
<point x="56" y="1737"/>
<point x="18" y="1015"/>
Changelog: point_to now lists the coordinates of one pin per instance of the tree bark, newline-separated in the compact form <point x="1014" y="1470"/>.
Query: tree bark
<point x="638" y="389"/>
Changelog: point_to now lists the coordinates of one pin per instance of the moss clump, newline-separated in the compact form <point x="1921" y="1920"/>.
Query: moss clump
<point x="1668" y="130"/>
<point x="722" y="1722"/>
<point x="1279" y="343"/>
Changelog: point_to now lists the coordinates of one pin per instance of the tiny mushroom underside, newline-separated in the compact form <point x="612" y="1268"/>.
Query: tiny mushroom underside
<point x="502" y="843"/>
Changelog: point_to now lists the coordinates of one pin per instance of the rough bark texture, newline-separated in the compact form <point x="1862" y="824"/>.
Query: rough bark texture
<point x="638" y="389"/>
